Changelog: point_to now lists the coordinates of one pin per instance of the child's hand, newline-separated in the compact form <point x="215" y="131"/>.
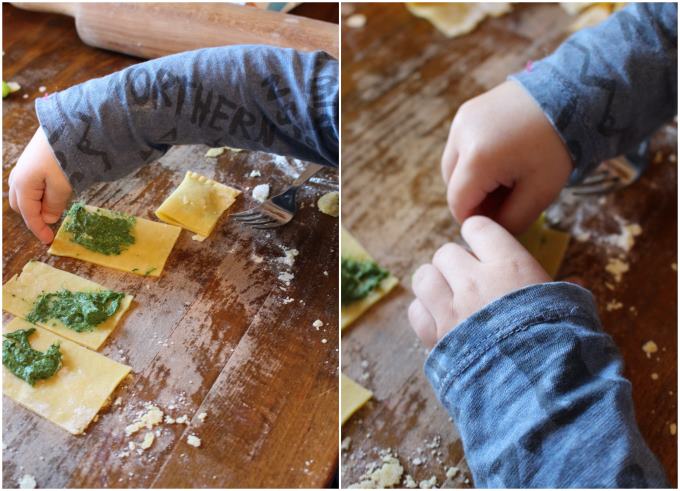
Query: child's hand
<point x="458" y="284"/>
<point x="503" y="159"/>
<point x="38" y="188"/>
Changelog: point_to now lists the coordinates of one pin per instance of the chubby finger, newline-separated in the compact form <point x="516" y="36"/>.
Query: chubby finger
<point x="13" y="199"/>
<point x="489" y="241"/>
<point x="30" y="211"/>
<point x="55" y="198"/>
<point x="449" y="157"/>
<point x="467" y="189"/>
<point x="434" y="292"/>
<point x="422" y="323"/>
<point x="521" y="208"/>
<point x="453" y="262"/>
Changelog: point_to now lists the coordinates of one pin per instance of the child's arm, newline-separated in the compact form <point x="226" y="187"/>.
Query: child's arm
<point x="255" y="97"/>
<point x="602" y="92"/>
<point x="533" y="383"/>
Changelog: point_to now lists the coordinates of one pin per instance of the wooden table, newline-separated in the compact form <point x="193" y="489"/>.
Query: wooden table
<point x="402" y="82"/>
<point x="213" y="334"/>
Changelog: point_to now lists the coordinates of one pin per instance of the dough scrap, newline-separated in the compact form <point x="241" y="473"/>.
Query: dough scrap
<point x="457" y="19"/>
<point x="146" y="257"/>
<point x="75" y="394"/>
<point x="353" y="397"/>
<point x="350" y="248"/>
<point x="329" y="204"/>
<point x="21" y="291"/>
<point x="197" y="204"/>
<point x="547" y="245"/>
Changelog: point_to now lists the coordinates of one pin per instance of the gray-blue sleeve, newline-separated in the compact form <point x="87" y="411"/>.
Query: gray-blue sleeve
<point x="263" y="98"/>
<point x="607" y="88"/>
<point x="537" y="391"/>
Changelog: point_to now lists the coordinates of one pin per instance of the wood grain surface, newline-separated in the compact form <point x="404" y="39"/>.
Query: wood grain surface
<point x="402" y="82"/>
<point x="212" y="334"/>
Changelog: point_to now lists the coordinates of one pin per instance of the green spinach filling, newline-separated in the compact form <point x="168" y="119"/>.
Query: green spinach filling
<point x="359" y="278"/>
<point x="80" y="311"/>
<point x="109" y="235"/>
<point x="26" y="363"/>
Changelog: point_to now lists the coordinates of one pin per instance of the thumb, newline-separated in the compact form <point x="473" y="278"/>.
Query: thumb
<point x="55" y="198"/>
<point x="522" y="207"/>
<point x="468" y="188"/>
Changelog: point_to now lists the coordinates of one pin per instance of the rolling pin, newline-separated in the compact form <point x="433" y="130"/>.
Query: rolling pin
<point x="150" y="30"/>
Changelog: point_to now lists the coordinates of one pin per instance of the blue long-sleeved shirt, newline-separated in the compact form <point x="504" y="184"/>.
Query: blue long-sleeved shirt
<point x="254" y="97"/>
<point x="535" y="386"/>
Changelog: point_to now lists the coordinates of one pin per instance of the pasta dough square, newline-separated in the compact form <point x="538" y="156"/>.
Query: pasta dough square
<point x="547" y="245"/>
<point x="73" y="396"/>
<point x="146" y="257"/>
<point x="350" y="248"/>
<point x="197" y="204"/>
<point x="353" y="396"/>
<point x="21" y="291"/>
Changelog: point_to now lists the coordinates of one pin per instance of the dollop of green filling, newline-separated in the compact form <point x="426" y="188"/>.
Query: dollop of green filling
<point x="359" y="278"/>
<point x="109" y="235"/>
<point x="80" y="311"/>
<point x="26" y="363"/>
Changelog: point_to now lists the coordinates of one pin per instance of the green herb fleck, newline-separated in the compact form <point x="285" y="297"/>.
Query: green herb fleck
<point x="109" y="235"/>
<point x="80" y="311"/>
<point x="149" y="271"/>
<point x="359" y="278"/>
<point x="26" y="363"/>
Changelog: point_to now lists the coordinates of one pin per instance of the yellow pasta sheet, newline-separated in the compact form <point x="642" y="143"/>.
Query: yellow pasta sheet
<point x="146" y="257"/>
<point x="197" y="204"/>
<point x="21" y="291"/>
<point x="547" y="245"/>
<point x="350" y="248"/>
<point x="73" y="396"/>
<point x="353" y="396"/>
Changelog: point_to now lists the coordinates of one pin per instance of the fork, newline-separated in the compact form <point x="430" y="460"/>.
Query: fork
<point x="280" y="209"/>
<point x="614" y="174"/>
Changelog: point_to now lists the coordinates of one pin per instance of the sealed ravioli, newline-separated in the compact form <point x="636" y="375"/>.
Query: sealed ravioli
<point x="197" y="204"/>
<point x="115" y="240"/>
<point x="72" y="397"/>
<point x="363" y="283"/>
<point x="84" y="311"/>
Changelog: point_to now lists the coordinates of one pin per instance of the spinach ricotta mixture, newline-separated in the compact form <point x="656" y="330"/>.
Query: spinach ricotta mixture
<point x="26" y="363"/>
<point x="109" y="235"/>
<point x="359" y="278"/>
<point x="80" y="311"/>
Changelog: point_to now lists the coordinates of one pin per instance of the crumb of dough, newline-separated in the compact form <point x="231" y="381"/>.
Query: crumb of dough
<point x="329" y="203"/>
<point x="14" y="86"/>
<point x="317" y="323"/>
<point x="42" y="89"/>
<point x="356" y="21"/>
<point x="118" y="400"/>
<point x="169" y="420"/>
<point x="614" y="305"/>
<point x="346" y="443"/>
<point x="215" y="152"/>
<point x="616" y="268"/>
<point x="256" y="259"/>
<point x="148" y="440"/>
<point x="386" y="476"/>
<point x="255" y="173"/>
<point x="194" y="441"/>
<point x="674" y="266"/>
<point x="286" y="277"/>
<point x="289" y="256"/>
<point x="650" y="347"/>
<point x="673" y="429"/>
<point x="672" y="158"/>
<point x="324" y="341"/>
<point x="451" y="472"/>
<point x="428" y="483"/>
<point x="202" y="416"/>
<point x="655" y="376"/>
<point x="27" y="482"/>
<point x="409" y="482"/>
<point x="198" y="238"/>
<point x="261" y="192"/>
<point x="182" y="420"/>
<point x="148" y="420"/>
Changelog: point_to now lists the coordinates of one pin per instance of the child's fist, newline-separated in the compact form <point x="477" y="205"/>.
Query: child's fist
<point x="458" y="283"/>
<point x="38" y="188"/>
<point x="503" y="159"/>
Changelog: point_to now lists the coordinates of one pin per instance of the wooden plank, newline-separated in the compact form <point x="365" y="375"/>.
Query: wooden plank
<point x="402" y="84"/>
<point x="213" y="334"/>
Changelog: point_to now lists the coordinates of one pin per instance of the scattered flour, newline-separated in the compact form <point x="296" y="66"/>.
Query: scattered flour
<point x="194" y="441"/>
<point x="616" y="267"/>
<point x="27" y="482"/>
<point x="261" y="192"/>
<point x="356" y="21"/>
